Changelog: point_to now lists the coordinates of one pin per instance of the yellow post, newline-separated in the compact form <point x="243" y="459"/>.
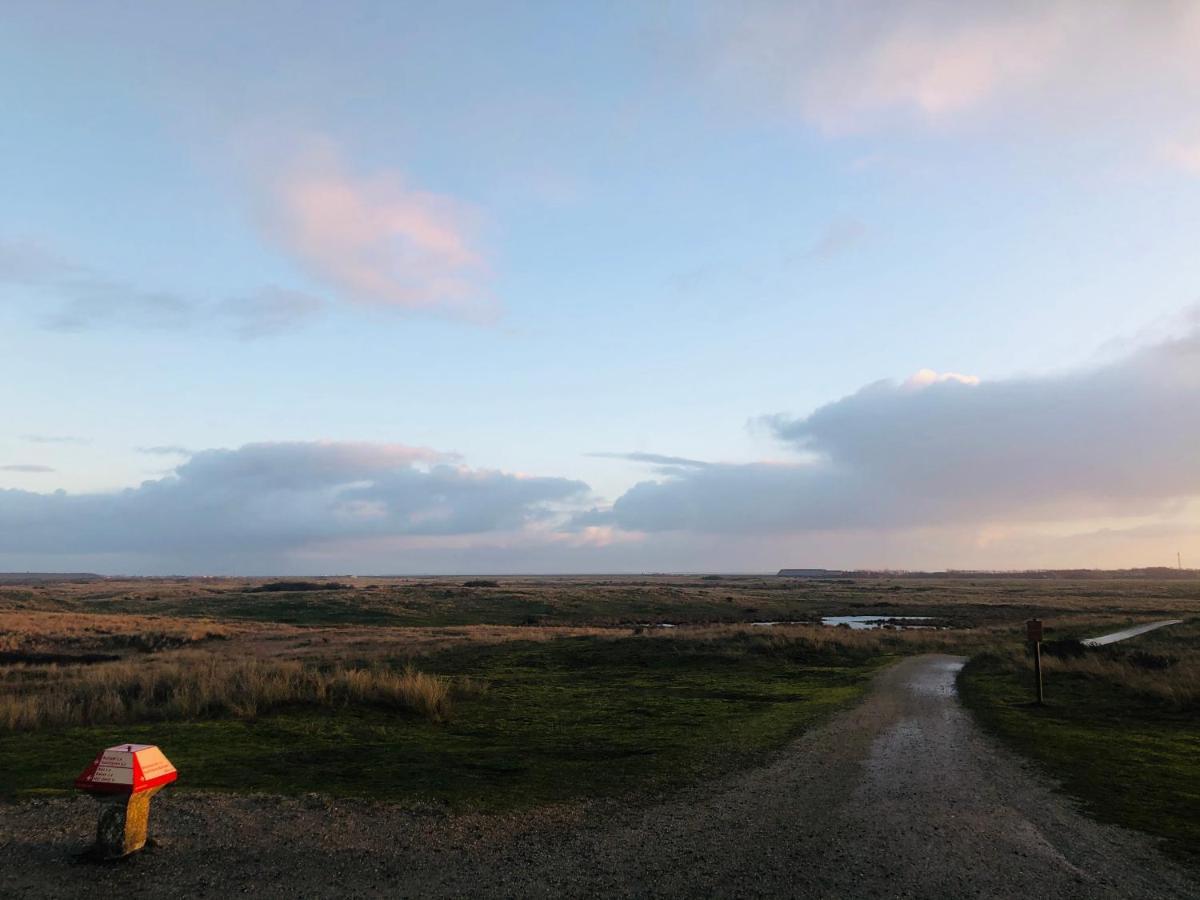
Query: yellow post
<point x="124" y="823"/>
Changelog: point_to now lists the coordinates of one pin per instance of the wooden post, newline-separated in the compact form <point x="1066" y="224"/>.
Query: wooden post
<point x="1037" y="667"/>
<point x="1033" y="632"/>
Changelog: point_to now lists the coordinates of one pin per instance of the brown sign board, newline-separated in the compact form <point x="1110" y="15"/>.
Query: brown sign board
<point x="1033" y="629"/>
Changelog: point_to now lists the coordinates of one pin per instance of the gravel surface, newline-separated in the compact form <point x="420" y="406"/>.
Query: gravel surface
<point x="900" y="797"/>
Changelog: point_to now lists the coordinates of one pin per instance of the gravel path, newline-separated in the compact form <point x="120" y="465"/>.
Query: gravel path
<point x="899" y="797"/>
<point x="1128" y="633"/>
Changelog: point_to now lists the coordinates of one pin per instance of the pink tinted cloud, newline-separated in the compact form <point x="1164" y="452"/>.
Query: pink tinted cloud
<point x="1184" y="155"/>
<point x="376" y="239"/>
<point x="852" y="67"/>
<point x="935" y="71"/>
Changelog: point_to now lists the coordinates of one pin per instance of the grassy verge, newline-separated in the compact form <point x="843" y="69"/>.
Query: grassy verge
<point x="1131" y="755"/>
<point x="560" y="720"/>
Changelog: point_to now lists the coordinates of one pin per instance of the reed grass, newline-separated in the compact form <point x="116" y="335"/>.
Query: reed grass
<point x="792" y="639"/>
<point x="35" y="630"/>
<point x="1175" y="681"/>
<point x="206" y="686"/>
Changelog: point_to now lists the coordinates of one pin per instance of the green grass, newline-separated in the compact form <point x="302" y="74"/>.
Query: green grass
<point x="1132" y="760"/>
<point x="562" y="720"/>
<point x="450" y="605"/>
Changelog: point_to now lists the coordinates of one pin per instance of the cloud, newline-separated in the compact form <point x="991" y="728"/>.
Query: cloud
<point x="654" y="459"/>
<point x="1116" y="440"/>
<point x="283" y="497"/>
<point x="1184" y="155"/>
<point x="271" y="311"/>
<point x="25" y="261"/>
<point x="853" y="66"/>
<point x="375" y="239"/>
<point x="88" y="304"/>
<point x="838" y="238"/>
<point x="83" y="299"/>
<point x="54" y="439"/>
<point x="25" y="467"/>
<point x="165" y="450"/>
<point x="743" y="498"/>
<point x="925" y="377"/>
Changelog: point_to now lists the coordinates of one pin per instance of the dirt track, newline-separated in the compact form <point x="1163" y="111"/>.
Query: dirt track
<point x="900" y="797"/>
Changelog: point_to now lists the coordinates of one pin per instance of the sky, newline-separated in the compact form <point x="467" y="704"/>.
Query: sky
<point x="311" y="288"/>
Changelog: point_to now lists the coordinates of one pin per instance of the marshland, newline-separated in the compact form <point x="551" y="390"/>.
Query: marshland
<point x="509" y="693"/>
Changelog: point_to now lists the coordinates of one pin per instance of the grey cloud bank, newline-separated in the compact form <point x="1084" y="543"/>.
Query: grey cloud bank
<point x="265" y="498"/>
<point x="892" y="468"/>
<point x="1114" y="440"/>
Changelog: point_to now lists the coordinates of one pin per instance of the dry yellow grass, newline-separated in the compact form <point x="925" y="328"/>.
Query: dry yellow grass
<point x="1111" y="593"/>
<point x="38" y="631"/>
<point x="820" y="637"/>
<point x="1176" y="683"/>
<point x="189" y="686"/>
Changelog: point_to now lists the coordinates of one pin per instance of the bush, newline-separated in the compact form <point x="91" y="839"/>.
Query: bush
<point x="272" y="587"/>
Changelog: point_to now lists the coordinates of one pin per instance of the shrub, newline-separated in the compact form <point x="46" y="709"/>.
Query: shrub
<point x="272" y="587"/>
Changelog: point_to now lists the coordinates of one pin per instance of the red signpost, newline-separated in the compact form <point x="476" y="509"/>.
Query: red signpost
<point x="1033" y="633"/>
<point x="123" y="779"/>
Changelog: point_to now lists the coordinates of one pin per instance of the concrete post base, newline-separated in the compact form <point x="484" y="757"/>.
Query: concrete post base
<point x="124" y="823"/>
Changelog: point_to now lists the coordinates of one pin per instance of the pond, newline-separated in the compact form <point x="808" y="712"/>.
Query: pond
<point x="863" y="623"/>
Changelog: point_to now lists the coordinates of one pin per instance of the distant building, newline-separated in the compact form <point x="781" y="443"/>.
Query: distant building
<point x="809" y="573"/>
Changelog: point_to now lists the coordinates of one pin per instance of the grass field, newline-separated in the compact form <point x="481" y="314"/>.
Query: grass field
<point x="550" y="689"/>
<point x="1120" y="728"/>
<point x="603" y="601"/>
<point x="557" y="720"/>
